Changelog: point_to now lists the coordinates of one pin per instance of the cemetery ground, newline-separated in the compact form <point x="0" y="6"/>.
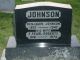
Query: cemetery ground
<point x="6" y="27"/>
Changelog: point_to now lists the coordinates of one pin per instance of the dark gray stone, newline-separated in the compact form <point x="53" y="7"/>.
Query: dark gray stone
<point x="35" y="53"/>
<point x="45" y="14"/>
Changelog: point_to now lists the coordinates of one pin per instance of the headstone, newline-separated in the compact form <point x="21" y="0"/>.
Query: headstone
<point x="7" y="6"/>
<point x="43" y="22"/>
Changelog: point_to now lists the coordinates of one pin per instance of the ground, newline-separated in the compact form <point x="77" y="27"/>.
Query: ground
<point x="6" y="27"/>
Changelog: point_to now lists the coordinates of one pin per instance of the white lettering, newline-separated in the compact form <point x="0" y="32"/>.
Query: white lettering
<point x="43" y="14"/>
<point x="43" y="25"/>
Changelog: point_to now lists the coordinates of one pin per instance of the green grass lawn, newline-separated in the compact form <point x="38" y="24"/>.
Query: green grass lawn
<point x="6" y="28"/>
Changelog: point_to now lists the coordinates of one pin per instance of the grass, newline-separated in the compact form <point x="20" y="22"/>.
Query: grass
<point x="6" y="28"/>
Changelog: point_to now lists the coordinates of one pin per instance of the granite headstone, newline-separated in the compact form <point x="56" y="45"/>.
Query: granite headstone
<point x="43" y="22"/>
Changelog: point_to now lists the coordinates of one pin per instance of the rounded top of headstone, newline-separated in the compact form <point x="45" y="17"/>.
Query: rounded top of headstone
<point x="35" y="4"/>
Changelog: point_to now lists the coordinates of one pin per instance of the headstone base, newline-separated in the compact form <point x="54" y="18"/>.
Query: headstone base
<point x="49" y="53"/>
<point x="35" y="53"/>
<point x="12" y="42"/>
